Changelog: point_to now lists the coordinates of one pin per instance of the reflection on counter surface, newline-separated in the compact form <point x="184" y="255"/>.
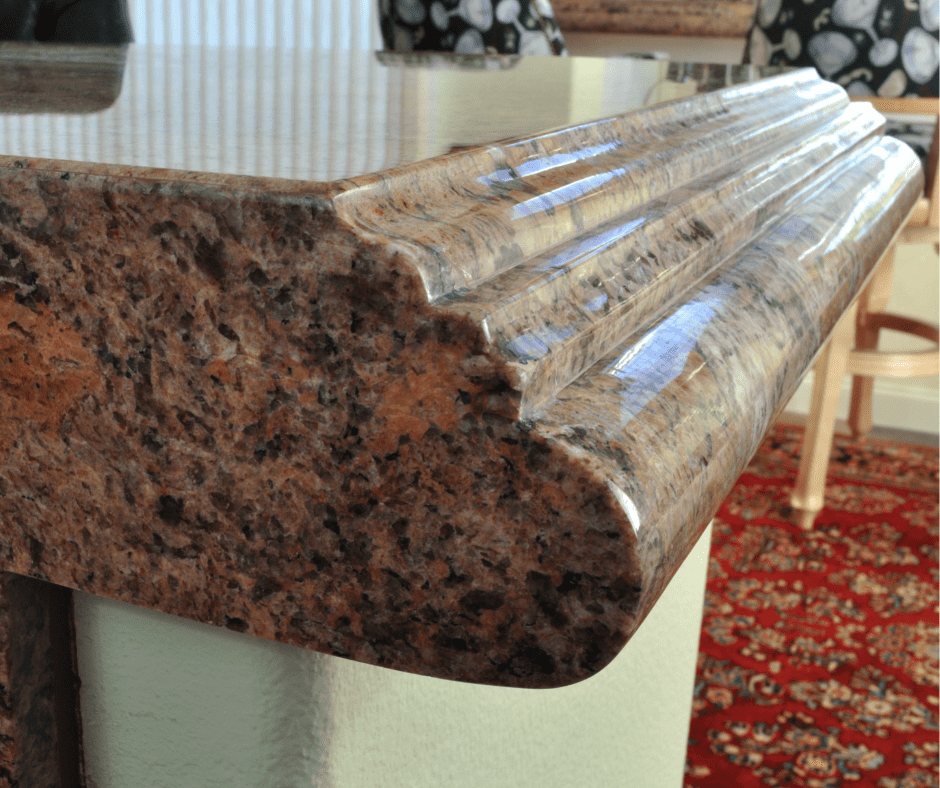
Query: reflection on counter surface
<point x="63" y="80"/>
<point x="310" y="114"/>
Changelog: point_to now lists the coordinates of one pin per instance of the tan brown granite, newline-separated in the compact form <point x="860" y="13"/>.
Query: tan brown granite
<point x="725" y="18"/>
<point x="464" y="417"/>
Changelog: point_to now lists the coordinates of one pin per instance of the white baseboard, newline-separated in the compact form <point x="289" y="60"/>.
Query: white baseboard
<point x="895" y="405"/>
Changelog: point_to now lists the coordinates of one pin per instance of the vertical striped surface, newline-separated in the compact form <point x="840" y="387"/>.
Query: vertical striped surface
<point x="293" y="65"/>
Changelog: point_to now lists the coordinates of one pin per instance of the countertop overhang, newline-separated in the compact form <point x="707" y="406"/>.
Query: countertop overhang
<point x="462" y="415"/>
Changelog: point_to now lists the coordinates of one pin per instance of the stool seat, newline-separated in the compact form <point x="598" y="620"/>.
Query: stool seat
<point x="910" y="364"/>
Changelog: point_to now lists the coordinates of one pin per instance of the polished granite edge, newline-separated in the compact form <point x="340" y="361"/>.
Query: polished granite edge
<point x="729" y="357"/>
<point x="493" y="207"/>
<point x="598" y="234"/>
<point x="169" y="179"/>
<point x="725" y="18"/>
<point x="248" y="408"/>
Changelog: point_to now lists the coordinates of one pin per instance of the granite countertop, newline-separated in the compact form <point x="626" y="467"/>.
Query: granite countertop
<point x="290" y="345"/>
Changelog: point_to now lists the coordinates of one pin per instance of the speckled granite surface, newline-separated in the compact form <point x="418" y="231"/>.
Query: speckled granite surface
<point x="463" y="417"/>
<point x="726" y="18"/>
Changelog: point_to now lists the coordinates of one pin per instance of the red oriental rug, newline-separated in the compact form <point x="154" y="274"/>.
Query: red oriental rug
<point x="818" y="657"/>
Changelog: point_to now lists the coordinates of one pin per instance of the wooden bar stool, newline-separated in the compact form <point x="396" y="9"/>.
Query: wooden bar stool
<point x="852" y="348"/>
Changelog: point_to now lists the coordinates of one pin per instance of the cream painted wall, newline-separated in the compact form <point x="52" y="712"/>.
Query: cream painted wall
<point x="167" y="703"/>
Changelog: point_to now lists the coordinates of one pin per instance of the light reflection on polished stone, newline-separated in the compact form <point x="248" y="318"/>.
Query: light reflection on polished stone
<point x="462" y="410"/>
<point x="309" y="114"/>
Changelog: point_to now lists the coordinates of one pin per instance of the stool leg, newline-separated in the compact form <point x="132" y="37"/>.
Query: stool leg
<point x="873" y="299"/>
<point x="809" y="491"/>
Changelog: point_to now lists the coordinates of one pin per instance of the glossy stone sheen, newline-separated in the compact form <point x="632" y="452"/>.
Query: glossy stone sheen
<point x="462" y="417"/>
<point x="309" y="115"/>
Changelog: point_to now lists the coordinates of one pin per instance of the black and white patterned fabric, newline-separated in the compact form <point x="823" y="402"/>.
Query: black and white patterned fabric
<point x="524" y="27"/>
<point x="887" y="48"/>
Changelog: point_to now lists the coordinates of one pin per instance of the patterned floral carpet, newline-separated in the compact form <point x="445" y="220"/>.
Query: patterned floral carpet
<point x="818" y="658"/>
